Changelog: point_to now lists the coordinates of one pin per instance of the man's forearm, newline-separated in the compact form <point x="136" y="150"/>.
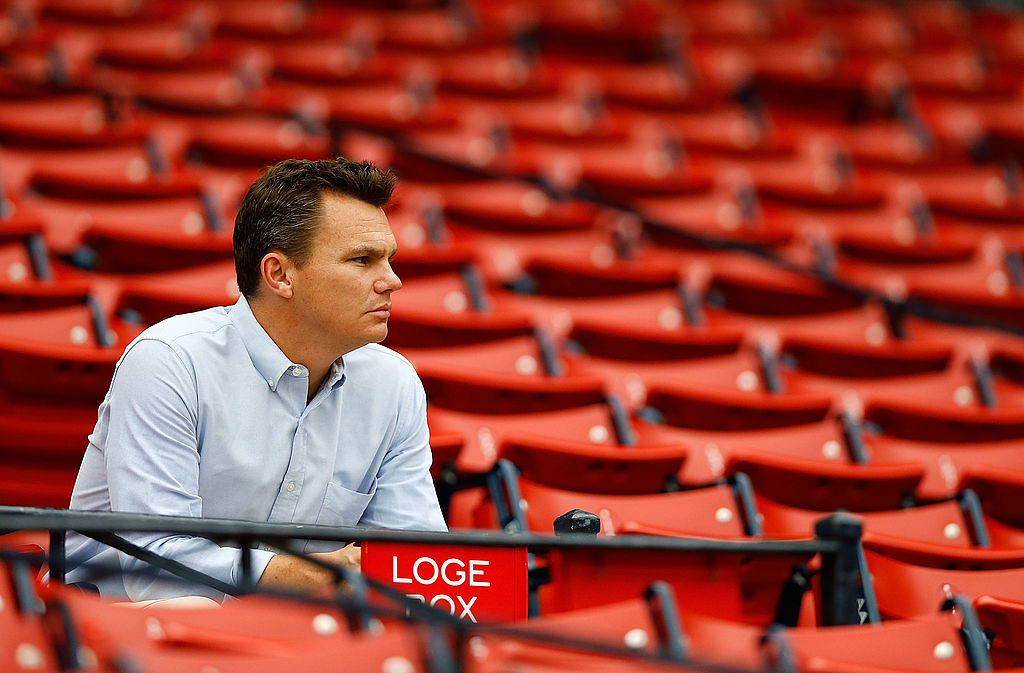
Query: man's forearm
<point x="292" y="573"/>
<point x="205" y="556"/>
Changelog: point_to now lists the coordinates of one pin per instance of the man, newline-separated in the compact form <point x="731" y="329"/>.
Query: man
<point x="279" y="408"/>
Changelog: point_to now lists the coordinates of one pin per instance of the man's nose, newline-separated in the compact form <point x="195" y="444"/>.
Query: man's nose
<point x="390" y="282"/>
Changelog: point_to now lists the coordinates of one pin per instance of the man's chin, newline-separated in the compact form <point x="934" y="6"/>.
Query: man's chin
<point x="374" y="336"/>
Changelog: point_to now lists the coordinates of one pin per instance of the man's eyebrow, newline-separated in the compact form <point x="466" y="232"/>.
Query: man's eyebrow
<point x="371" y="250"/>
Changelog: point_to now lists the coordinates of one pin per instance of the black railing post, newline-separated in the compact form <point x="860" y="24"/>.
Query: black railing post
<point x="970" y="505"/>
<point x="975" y="644"/>
<point x="577" y="522"/>
<point x="661" y="601"/>
<point x="248" y="583"/>
<point x="840" y="575"/>
<point x="57" y="559"/>
<point x="743" y="491"/>
<point x="503" y="486"/>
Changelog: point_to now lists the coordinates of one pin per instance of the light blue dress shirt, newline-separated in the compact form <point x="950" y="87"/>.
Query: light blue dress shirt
<point x="205" y="416"/>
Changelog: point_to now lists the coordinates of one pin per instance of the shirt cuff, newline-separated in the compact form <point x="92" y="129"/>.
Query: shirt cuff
<point x="260" y="559"/>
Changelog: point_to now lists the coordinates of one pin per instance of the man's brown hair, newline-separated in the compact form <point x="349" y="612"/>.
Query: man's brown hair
<point x="282" y="208"/>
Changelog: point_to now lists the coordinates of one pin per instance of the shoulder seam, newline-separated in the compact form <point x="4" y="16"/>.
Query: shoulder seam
<point x="384" y="350"/>
<point x="167" y="343"/>
<point x="171" y="340"/>
<point x="170" y="346"/>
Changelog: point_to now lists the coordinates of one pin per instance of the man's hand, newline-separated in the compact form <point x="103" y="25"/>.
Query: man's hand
<point x="348" y="556"/>
<point x="292" y="573"/>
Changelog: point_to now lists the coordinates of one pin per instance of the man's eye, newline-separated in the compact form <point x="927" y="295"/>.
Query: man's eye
<point x="361" y="260"/>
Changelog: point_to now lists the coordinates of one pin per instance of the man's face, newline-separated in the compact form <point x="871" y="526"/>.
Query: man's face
<point x="343" y="291"/>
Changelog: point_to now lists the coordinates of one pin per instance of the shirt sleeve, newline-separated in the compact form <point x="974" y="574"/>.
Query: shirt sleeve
<point x="405" y="498"/>
<point x="151" y="458"/>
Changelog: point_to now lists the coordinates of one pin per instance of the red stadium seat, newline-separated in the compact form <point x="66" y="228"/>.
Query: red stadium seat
<point x="116" y="248"/>
<point x="721" y="585"/>
<point x="66" y="220"/>
<point x="827" y="180"/>
<point x="328" y="60"/>
<point x="179" y="43"/>
<point x="553" y="274"/>
<point x="254" y="141"/>
<point x="451" y="310"/>
<point x="907" y="645"/>
<point x="40" y="485"/>
<point x="984" y="194"/>
<point x="577" y="115"/>
<point x="825" y="486"/>
<point x="828" y="358"/>
<point x="724" y="215"/>
<point x="62" y="353"/>
<point x="141" y="169"/>
<point x="1005" y="619"/>
<point x="225" y="637"/>
<point x="946" y="424"/>
<point x="939" y="534"/>
<point x="205" y="90"/>
<point x="72" y="121"/>
<point x="27" y="638"/>
<point x="271" y="20"/>
<point x="438" y="31"/>
<point x="32" y="279"/>
<point x="811" y="77"/>
<point x="712" y="450"/>
<point x="589" y="426"/>
<point x="898" y="245"/>
<point x="149" y="298"/>
<point x="510" y="376"/>
<point x="708" y="409"/>
<point x="740" y="284"/>
<point x="1000" y="489"/>
<point x="512" y="206"/>
<point x="685" y="79"/>
<point x="987" y="288"/>
<point x="1001" y="120"/>
<point x="945" y="463"/>
<point x="747" y="131"/>
<point x="607" y="259"/>
<point x="42" y="435"/>
<point x="611" y="339"/>
<point x="98" y="10"/>
<point x="651" y="161"/>
<point x="596" y="469"/>
<point x="907" y="590"/>
<point x="501" y="72"/>
<point x="727" y="393"/>
<point x="712" y="511"/>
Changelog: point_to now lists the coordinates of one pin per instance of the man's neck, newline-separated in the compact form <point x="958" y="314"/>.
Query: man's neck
<point x="289" y="335"/>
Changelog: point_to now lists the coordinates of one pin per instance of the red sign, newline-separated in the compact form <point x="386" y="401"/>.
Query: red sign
<point x="478" y="584"/>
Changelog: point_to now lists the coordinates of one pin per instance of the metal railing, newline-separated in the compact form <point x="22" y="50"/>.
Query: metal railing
<point x="845" y="589"/>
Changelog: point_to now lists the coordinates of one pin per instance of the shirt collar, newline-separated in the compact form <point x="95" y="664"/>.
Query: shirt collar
<point x="266" y="356"/>
<point x="336" y="374"/>
<point x="268" y="359"/>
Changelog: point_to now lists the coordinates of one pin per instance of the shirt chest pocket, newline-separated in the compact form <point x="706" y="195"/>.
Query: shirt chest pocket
<point x="341" y="507"/>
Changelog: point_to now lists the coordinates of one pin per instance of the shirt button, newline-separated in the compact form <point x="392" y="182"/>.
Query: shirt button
<point x="296" y="371"/>
<point x="270" y="382"/>
<point x="291" y="486"/>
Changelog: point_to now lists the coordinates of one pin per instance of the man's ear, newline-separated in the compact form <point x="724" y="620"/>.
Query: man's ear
<point x="275" y="270"/>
